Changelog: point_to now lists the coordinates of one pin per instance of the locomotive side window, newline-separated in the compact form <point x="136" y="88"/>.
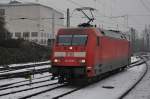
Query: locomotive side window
<point x="79" y="40"/>
<point x="68" y="40"/>
<point x="64" y="39"/>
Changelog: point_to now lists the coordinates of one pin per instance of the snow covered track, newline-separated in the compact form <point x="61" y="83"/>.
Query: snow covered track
<point x="24" y="84"/>
<point x="22" y="66"/>
<point x="142" y="76"/>
<point x="13" y="83"/>
<point x="112" y="87"/>
<point x="25" y="70"/>
<point x="25" y="89"/>
<point x="136" y="63"/>
<point x="115" y="86"/>
<point x="67" y="93"/>
<point x="28" y="96"/>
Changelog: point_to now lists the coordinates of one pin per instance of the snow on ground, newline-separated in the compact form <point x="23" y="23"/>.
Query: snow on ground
<point x="24" y="93"/>
<point x="142" y="90"/>
<point x="31" y="63"/>
<point x="134" y="59"/>
<point x="17" y="95"/>
<point x="121" y="82"/>
<point x="27" y="69"/>
<point x="33" y="79"/>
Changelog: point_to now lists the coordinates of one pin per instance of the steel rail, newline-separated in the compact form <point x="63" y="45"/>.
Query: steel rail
<point x="23" y="66"/>
<point x="24" y="73"/>
<point x="24" y="84"/>
<point x="5" y="85"/>
<point x="69" y="92"/>
<point x="125" y="93"/>
<point x="25" y="97"/>
<point x="4" y="94"/>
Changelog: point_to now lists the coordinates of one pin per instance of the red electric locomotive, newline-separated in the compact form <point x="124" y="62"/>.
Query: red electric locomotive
<point x="84" y="53"/>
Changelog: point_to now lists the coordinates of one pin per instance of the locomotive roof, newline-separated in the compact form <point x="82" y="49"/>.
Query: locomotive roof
<point x="79" y="28"/>
<point x="108" y="33"/>
<point x="114" y="34"/>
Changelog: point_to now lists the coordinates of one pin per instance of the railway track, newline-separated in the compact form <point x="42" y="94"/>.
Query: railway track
<point x="24" y="84"/>
<point x="23" y="81"/>
<point x="125" y="93"/>
<point x="25" y="71"/>
<point x="139" y="62"/>
<point x="79" y="88"/>
<point x="7" y="86"/>
<point x="69" y="92"/>
<point x="28" y="96"/>
<point x="26" y="89"/>
<point x="11" y="68"/>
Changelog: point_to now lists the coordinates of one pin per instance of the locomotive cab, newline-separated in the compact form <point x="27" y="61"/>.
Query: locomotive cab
<point x="69" y="59"/>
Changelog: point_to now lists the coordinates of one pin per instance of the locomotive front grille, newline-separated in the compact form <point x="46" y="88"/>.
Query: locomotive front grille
<point x="69" y="71"/>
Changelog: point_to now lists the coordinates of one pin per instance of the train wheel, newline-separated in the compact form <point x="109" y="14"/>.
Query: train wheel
<point x="53" y="78"/>
<point x="61" y="79"/>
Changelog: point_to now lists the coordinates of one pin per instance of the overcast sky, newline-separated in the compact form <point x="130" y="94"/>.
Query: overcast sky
<point x="135" y="13"/>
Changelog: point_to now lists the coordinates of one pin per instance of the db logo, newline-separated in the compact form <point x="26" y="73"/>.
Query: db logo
<point x="69" y="60"/>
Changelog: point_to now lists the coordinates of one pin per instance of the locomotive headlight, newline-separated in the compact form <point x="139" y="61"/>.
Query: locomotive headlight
<point x="70" y="48"/>
<point x="56" y="60"/>
<point x="83" y="61"/>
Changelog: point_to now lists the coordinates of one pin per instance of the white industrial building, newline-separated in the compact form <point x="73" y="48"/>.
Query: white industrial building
<point x="31" y="21"/>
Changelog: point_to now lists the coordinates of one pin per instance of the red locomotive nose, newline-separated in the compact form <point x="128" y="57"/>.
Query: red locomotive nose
<point x="69" y="58"/>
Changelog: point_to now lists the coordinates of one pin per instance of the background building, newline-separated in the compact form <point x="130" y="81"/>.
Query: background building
<point x="31" y="21"/>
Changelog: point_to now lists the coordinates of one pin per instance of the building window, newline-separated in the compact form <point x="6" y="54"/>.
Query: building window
<point x="2" y="12"/>
<point x="34" y="34"/>
<point x="18" y="34"/>
<point x="26" y="34"/>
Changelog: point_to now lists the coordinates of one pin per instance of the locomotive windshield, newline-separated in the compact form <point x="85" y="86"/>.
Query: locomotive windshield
<point x="72" y="40"/>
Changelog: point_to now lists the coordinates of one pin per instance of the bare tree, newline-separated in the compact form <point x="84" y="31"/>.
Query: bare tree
<point x="4" y="34"/>
<point x="146" y="37"/>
